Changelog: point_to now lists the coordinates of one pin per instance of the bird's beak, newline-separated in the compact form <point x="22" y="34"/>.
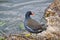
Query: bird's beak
<point x="32" y="14"/>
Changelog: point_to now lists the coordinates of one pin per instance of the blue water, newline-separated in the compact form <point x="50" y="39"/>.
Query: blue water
<point x="12" y="12"/>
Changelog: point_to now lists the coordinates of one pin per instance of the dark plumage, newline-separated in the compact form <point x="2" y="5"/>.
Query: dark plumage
<point x="31" y="25"/>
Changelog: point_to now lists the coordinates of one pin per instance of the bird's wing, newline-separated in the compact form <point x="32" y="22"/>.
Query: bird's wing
<point x="34" y="24"/>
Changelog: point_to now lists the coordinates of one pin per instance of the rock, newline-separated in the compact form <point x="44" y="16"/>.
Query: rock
<point x="53" y="8"/>
<point x="19" y="37"/>
<point x="52" y="15"/>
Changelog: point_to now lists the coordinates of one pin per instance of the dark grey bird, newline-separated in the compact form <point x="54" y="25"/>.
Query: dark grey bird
<point x="32" y="25"/>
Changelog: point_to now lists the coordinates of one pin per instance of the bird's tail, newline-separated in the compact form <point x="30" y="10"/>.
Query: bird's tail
<point x="44" y="26"/>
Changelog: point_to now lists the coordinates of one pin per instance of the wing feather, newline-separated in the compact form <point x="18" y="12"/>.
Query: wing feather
<point x="34" y="24"/>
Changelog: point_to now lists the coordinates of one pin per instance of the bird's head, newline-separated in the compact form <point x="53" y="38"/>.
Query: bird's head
<point x="28" y="13"/>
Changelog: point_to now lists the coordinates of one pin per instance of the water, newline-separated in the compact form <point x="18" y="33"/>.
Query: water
<point x="12" y="12"/>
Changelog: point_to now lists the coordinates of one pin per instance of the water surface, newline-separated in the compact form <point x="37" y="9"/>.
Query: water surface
<point x="12" y="13"/>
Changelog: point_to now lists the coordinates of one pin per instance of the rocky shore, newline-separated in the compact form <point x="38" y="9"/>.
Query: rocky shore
<point x="52" y="16"/>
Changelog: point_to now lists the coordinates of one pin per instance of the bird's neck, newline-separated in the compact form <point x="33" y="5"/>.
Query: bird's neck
<point x="27" y="17"/>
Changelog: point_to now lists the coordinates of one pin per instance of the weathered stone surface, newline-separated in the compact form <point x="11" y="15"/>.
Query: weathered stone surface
<point x="53" y="8"/>
<point x="52" y="15"/>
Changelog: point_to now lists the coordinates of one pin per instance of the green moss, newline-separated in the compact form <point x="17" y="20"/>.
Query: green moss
<point x="1" y="38"/>
<point x="21" y="25"/>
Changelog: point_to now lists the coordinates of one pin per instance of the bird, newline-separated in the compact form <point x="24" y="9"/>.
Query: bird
<point x="32" y="25"/>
